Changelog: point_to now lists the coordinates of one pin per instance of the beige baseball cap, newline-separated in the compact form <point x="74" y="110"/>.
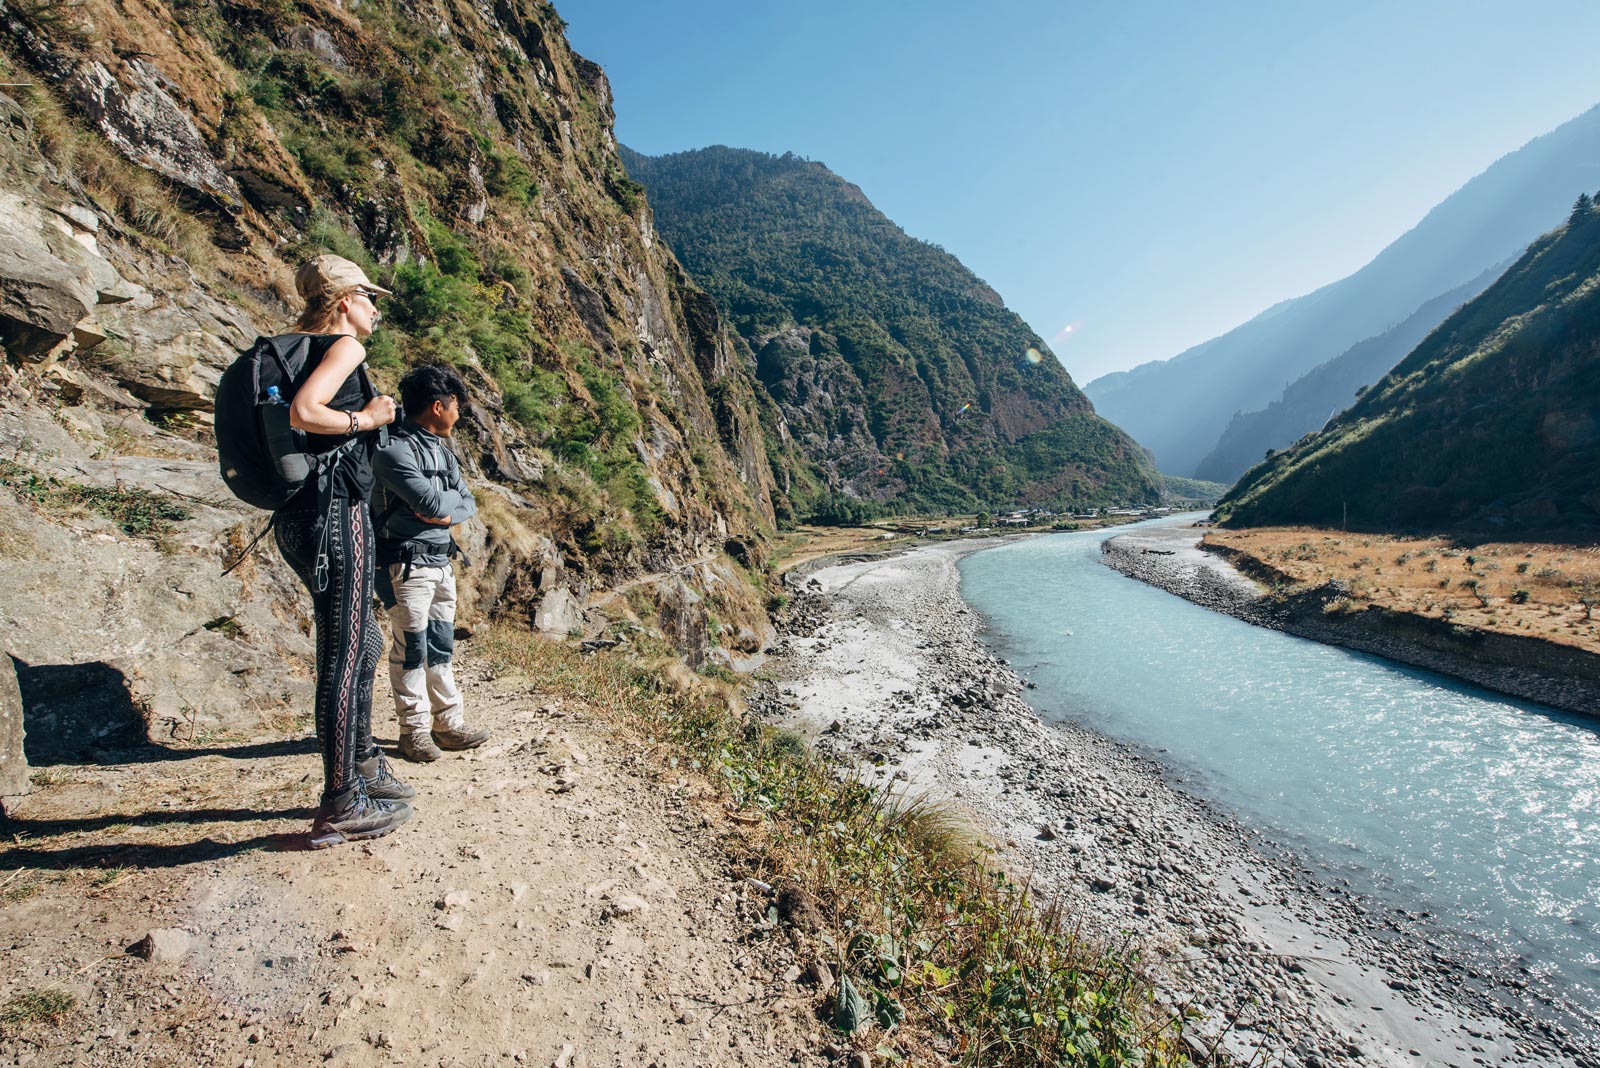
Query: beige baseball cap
<point x="331" y="274"/>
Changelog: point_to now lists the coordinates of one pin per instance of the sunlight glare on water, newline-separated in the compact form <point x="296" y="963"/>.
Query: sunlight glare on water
<point x="1427" y="793"/>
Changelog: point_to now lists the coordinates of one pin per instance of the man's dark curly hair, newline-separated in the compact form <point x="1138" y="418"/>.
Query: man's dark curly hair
<point x="423" y="385"/>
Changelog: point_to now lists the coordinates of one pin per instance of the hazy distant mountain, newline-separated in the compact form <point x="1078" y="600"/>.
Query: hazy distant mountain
<point x="1308" y="404"/>
<point x="896" y="370"/>
<point x="1491" y="425"/>
<point x="1178" y="408"/>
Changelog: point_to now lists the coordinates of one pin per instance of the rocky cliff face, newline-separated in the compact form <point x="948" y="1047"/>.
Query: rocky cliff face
<point x="163" y="168"/>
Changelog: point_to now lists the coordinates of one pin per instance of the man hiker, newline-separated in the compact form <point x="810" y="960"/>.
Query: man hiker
<point x="422" y="496"/>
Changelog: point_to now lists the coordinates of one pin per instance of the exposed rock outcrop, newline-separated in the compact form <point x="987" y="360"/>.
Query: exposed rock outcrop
<point x="13" y="755"/>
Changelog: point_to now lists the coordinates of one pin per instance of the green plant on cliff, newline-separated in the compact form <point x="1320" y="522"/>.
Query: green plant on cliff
<point x="138" y="512"/>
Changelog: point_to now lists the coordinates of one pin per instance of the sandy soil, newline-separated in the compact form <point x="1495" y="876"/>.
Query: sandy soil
<point x="885" y="665"/>
<point x="553" y="902"/>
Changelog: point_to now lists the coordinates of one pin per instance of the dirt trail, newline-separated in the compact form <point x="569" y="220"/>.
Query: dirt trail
<point x="553" y="902"/>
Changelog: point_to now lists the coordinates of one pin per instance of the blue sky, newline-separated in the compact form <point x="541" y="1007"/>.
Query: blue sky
<point x="1151" y="174"/>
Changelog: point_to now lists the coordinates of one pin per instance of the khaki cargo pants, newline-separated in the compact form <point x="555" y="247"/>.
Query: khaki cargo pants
<point x="422" y="623"/>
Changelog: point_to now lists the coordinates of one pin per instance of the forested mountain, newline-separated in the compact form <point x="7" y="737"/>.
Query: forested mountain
<point x="1308" y="404"/>
<point x="1491" y="425"/>
<point x="892" y="365"/>
<point x="1178" y="408"/>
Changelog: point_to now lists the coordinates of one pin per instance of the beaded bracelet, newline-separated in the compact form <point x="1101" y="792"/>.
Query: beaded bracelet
<point x="355" y="423"/>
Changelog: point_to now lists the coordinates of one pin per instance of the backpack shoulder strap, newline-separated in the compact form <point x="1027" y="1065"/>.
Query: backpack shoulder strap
<point x="369" y="391"/>
<point x="291" y="353"/>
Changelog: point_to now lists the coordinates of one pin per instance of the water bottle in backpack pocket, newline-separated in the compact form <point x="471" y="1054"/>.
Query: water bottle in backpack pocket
<point x="285" y="444"/>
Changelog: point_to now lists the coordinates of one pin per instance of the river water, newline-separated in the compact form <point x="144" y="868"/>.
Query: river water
<point x="1423" y="793"/>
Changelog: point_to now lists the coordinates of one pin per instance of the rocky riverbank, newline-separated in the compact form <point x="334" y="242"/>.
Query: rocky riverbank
<point x="1528" y="668"/>
<point x="884" y="665"/>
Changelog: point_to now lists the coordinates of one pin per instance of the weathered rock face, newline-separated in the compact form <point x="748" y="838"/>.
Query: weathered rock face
<point x="125" y="636"/>
<point x="558" y="614"/>
<point x="135" y="111"/>
<point x="683" y="619"/>
<point x="52" y="278"/>
<point x="13" y="757"/>
<point x="821" y="402"/>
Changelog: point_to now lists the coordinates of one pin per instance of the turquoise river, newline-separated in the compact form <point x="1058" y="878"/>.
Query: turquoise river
<point x="1421" y="792"/>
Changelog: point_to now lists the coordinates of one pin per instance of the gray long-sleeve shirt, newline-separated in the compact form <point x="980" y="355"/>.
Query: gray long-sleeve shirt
<point x="418" y="474"/>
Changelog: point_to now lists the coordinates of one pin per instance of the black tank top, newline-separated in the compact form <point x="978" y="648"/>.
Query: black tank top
<point x="352" y="479"/>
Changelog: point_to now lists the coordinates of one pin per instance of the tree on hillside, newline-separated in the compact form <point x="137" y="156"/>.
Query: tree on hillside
<point x="1582" y="207"/>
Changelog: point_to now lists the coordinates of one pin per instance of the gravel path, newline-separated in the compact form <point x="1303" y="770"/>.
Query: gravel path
<point x="884" y="665"/>
<point x="553" y="902"/>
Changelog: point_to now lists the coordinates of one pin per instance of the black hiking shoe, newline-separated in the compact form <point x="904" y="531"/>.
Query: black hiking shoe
<point x="380" y="780"/>
<point x="353" y="816"/>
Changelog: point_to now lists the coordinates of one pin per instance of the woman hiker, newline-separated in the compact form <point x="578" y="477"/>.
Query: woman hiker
<point x="361" y="798"/>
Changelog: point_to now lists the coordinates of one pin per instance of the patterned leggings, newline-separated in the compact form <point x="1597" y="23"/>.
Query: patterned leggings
<point x="349" y="641"/>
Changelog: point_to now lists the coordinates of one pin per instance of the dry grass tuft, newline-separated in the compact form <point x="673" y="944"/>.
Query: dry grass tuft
<point x="46" y="1006"/>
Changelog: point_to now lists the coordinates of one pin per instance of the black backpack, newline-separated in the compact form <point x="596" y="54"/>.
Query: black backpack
<point x="265" y="461"/>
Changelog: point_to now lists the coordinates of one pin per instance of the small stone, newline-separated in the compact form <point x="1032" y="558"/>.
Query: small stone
<point x="454" y="899"/>
<point x="792" y="974"/>
<point x="564" y="1059"/>
<point x="1048" y="832"/>
<point x="163" y="944"/>
<point x="822" y="975"/>
<point x="629" y="907"/>
<point x="689" y="1017"/>
<point x="450" y="922"/>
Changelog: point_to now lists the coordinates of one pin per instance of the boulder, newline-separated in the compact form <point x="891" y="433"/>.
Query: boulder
<point x="52" y="277"/>
<point x="318" y="42"/>
<point x="558" y="613"/>
<point x="13" y="759"/>
<point x="163" y="945"/>
<point x="683" y="619"/>
<point x="170" y="351"/>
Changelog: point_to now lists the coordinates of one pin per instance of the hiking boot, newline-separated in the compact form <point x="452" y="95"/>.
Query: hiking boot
<point x="462" y="737"/>
<point x="418" y="747"/>
<point x="380" y="780"/>
<point x="353" y="816"/>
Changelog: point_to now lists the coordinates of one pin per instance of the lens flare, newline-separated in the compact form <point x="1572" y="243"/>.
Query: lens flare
<point x="1034" y="356"/>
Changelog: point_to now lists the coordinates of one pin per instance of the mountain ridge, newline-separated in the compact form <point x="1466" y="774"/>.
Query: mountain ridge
<point x="1490" y="426"/>
<point x="1179" y="407"/>
<point x="1309" y="402"/>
